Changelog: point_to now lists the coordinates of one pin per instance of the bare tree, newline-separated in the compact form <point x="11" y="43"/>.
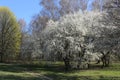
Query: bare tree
<point x="71" y="6"/>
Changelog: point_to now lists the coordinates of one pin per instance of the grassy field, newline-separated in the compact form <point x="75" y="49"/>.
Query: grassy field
<point x="56" y="71"/>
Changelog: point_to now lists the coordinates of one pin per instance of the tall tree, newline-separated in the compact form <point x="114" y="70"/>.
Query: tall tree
<point x="26" y="41"/>
<point x="112" y="7"/>
<point x="54" y="9"/>
<point x="71" y="6"/>
<point x="50" y="9"/>
<point x="9" y="35"/>
<point x="22" y="25"/>
<point x="97" y="5"/>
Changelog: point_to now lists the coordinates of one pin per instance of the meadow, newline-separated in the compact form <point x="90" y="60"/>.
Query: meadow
<point x="55" y="71"/>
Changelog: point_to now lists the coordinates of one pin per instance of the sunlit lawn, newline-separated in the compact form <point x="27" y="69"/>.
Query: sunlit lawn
<point x="56" y="71"/>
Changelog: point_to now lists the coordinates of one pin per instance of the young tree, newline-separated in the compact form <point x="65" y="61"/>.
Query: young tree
<point x="9" y="35"/>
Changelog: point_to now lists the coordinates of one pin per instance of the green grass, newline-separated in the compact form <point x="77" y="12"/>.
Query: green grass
<point x="55" y="71"/>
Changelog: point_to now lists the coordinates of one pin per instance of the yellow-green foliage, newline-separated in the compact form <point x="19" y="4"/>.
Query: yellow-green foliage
<point x="9" y="34"/>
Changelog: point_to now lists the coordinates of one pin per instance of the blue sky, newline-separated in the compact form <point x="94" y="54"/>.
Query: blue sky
<point x="24" y="9"/>
<point x="89" y="6"/>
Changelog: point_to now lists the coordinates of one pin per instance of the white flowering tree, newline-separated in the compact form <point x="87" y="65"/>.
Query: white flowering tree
<point x="68" y="38"/>
<point x="108" y="43"/>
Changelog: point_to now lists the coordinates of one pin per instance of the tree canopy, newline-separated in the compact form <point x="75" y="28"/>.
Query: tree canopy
<point x="9" y="35"/>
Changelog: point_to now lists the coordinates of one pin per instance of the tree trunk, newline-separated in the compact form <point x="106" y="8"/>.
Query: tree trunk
<point x="1" y="57"/>
<point x="67" y="63"/>
<point x="105" y="59"/>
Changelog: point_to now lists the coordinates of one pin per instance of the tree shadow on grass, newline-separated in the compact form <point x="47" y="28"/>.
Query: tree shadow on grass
<point x="12" y="68"/>
<point x="111" y="67"/>
<point x="12" y="77"/>
<point x="30" y="67"/>
<point x="56" y="77"/>
<point x="64" y="77"/>
<point x="52" y="73"/>
<point x="108" y="78"/>
<point x="55" y="68"/>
